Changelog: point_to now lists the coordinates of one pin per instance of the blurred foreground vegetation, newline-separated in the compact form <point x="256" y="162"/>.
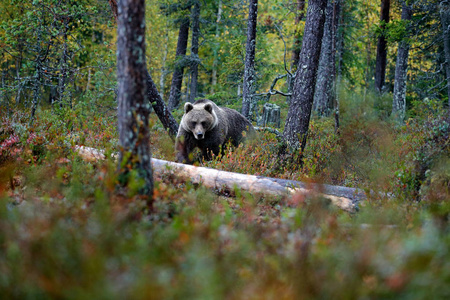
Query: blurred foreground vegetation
<point x="66" y="231"/>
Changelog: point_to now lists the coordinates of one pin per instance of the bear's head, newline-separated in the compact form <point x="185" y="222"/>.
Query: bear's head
<point x="199" y="119"/>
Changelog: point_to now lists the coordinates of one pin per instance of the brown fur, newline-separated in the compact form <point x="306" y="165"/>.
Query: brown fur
<point x="209" y="127"/>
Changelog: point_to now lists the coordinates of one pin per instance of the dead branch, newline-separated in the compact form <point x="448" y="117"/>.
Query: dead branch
<point x="279" y="136"/>
<point x="272" y="91"/>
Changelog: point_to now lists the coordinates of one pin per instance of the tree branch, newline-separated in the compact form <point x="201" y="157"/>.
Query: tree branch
<point x="285" y="50"/>
<point x="279" y="136"/>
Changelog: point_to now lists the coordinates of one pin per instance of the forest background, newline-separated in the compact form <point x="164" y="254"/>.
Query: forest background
<point x="68" y="231"/>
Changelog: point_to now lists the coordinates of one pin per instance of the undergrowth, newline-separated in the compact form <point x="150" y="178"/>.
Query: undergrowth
<point x="66" y="231"/>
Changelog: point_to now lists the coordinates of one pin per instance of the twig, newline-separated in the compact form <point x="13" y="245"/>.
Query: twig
<point x="285" y="49"/>
<point x="278" y="134"/>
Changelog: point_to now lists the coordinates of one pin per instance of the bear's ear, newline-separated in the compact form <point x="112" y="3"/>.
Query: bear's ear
<point x="188" y="107"/>
<point x="209" y="107"/>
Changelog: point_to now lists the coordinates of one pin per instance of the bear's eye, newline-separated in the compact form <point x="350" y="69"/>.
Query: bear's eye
<point x="193" y="124"/>
<point x="203" y="124"/>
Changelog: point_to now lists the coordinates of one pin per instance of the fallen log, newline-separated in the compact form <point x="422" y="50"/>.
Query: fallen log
<point x="344" y="197"/>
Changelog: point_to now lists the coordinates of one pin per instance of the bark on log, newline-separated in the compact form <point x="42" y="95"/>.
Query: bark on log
<point x="343" y="197"/>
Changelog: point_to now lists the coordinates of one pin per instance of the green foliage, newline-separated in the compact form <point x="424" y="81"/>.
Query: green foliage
<point x="53" y="51"/>
<point x="397" y="30"/>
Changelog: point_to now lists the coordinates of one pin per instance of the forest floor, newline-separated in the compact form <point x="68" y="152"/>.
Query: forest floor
<point x="66" y="231"/>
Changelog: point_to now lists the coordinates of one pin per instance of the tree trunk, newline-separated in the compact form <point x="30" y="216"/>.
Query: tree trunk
<point x="63" y="68"/>
<point x="299" y="14"/>
<point x="177" y="79"/>
<point x="326" y="74"/>
<point x="445" y="19"/>
<point x="163" y="67"/>
<point x="271" y="115"/>
<point x="37" y="80"/>
<point x="194" y="50"/>
<point x="339" y="61"/>
<point x="3" y="98"/>
<point x="401" y="68"/>
<point x="380" y="66"/>
<point x="297" y="121"/>
<point x="133" y="108"/>
<point x="215" y="62"/>
<point x="161" y="110"/>
<point x="113" y="5"/>
<point x="249" y="71"/>
<point x="88" y="83"/>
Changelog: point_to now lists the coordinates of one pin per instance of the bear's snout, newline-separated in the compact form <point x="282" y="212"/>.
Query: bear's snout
<point x="200" y="135"/>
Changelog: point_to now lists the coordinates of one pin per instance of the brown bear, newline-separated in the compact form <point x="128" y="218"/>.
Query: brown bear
<point x="209" y="127"/>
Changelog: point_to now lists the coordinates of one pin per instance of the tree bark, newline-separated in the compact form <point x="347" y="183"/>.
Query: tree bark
<point x="249" y="71"/>
<point x="271" y="115"/>
<point x="380" y="65"/>
<point x="215" y="61"/>
<point x="339" y="62"/>
<point x="326" y="74"/>
<point x="445" y="20"/>
<point x="344" y="197"/>
<point x="63" y="67"/>
<point x="133" y="108"/>
<point x="36" y="83"/>
<point x="401" y="68"/>
<point x="297" y="121"/>
<point x="36" y="89"/>
<point x="177" y="78"/>
<point x="113" y="5"/>
<point x="161" y="110"/>
<point x="162" y="78"/>
<point x="194" y="50"/>
<point x="299" y="14"/>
